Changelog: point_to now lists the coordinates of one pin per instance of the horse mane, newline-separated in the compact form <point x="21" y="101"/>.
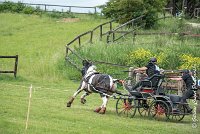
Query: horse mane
<point x="91" y="69"/>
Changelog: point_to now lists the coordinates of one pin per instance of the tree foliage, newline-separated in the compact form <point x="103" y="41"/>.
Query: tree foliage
<point x="128" y="9"/>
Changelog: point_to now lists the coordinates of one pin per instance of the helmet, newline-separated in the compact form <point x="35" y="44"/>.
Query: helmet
<point x="186" y="71"/>
<point x="153" y="59"/>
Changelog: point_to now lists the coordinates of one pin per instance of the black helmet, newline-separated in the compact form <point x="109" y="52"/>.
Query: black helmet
<point x="186" y="71"/>
<point x="153" y="59"/>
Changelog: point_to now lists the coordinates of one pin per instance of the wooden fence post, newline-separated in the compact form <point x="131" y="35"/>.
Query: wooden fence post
<point x="110" y="26"/>
<point x="67" y="51"/>
<point x="69" y="9"/>
<point x="95" y="10"/>
<point x="113" y="36"/>
<point x="108" y="37"/>
<point x="79" y="41"/>
<point x="91" y="36"/>
<point x="101" y="31"/>
<point x="16" y="63"/>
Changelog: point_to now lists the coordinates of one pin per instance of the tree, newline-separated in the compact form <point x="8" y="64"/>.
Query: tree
<point x="186" y="6"/>
<point x="125" y="10"/>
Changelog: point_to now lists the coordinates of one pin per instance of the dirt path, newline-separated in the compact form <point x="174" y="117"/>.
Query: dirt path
<point x="197" y="25"/>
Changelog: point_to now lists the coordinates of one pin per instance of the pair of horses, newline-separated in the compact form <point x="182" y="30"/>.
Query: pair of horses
<point x="95" y="82"/>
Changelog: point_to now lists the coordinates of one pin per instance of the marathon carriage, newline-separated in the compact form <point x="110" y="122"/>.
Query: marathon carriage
<point x="150" y="100"/>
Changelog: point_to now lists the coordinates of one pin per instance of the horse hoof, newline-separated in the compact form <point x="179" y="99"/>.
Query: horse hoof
<point x="83" y="101"/>
<point x="97" y="110"/>
<point x="68" y="104"/>
<point x="102" y="111"/>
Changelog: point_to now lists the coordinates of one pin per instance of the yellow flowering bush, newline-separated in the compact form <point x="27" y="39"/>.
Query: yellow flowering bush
<point x="140" y="57"/>
<point x="189" y="62"/>
<point x="168" y="59"/>
<point x="161" y="57"/>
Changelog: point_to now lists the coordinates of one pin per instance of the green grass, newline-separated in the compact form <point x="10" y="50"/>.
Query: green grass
<point x="171" y="46"/>
<point x="48" y="113"/>
<point x="40" y="43"/>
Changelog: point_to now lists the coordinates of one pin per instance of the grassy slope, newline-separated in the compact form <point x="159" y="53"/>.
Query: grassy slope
<point x="40" y="44"/>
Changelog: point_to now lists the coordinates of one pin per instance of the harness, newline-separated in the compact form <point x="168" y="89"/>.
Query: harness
<point x="100" y="83"/>
<point x="86" y="79"/>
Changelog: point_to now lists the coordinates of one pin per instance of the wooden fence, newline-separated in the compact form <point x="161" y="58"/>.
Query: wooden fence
<point x="112" y="32"/>
<point x="15" y="66"/>
<point x="68" y="8"/>
<point x="62" y="7"/>
<point x="132" y="25"/>
<point x="196" y="12"/>
<point x="77" y="40"/>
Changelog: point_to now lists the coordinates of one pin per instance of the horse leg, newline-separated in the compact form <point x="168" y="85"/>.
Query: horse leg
<point x="81" y="87"/>
<point x="98" y="108"/>
<point x="103" y="106"/>
<point x="83" y="100"/>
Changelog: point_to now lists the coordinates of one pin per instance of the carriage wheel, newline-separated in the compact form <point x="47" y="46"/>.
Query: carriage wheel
<point x="125" y="107"/>
<point x="178" y="116"/>
<point x="159" y="110"/>
<point x="143" y="108"/>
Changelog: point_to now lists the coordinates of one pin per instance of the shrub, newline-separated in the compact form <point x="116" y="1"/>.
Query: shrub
<point x="56" y="14"/>
<point x="20" y="7"/>
<point x="28" y="10"/>
<point x="126" y="10"/>
<point x="12" y="7"/>
<point x="139" y="57"/>
<point x="189" y="62"/>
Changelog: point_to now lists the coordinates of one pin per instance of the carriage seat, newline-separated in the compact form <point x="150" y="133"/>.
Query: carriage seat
<point x="174" y="98"/>
<point x="135" y="93"/>
<point x="153" y="82"/>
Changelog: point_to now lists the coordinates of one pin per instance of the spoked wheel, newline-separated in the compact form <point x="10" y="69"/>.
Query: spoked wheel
<point x="126" y="107"/>
<point x="143" y="108"/>
<point x="159" y="110"/>
<point x="179" y="114"/>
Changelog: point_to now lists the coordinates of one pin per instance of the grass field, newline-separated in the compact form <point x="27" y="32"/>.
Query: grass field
<point x="48" y="114"/>
<point x="40" y="43"/>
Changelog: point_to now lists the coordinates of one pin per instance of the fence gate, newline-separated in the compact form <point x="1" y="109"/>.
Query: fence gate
<point x="14" y="71"/>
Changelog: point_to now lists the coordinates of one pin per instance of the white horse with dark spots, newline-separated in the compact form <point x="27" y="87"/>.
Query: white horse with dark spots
<point x="94" y="82"/>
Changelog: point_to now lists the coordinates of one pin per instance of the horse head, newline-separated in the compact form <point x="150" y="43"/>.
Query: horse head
<point x="92" y="69"/>
<point x="86" y="65"/>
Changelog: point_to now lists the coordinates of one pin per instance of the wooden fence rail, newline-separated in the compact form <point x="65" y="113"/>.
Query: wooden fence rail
<point x="90" y="40"/>
<point x="15" y="66"/>
<point x="91" y="33"/>
<point x="197" y="12"/>
<point x="101" y="34"/>
<point x="131" y="24"/>
<point x="45" y="6"/>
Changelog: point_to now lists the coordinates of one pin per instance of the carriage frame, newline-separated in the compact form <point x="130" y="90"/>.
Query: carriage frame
<point x="150" y="102"/>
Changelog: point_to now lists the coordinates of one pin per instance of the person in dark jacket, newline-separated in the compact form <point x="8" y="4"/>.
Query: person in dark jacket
<point x="151" y="68"/>
<point x="189" y="82"/>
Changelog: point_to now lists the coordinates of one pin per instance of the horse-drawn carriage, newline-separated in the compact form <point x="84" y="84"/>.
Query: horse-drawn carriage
<point x="150" y="100"/>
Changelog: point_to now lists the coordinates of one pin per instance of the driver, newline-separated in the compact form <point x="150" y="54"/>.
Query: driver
<point x="151" y="68"/>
